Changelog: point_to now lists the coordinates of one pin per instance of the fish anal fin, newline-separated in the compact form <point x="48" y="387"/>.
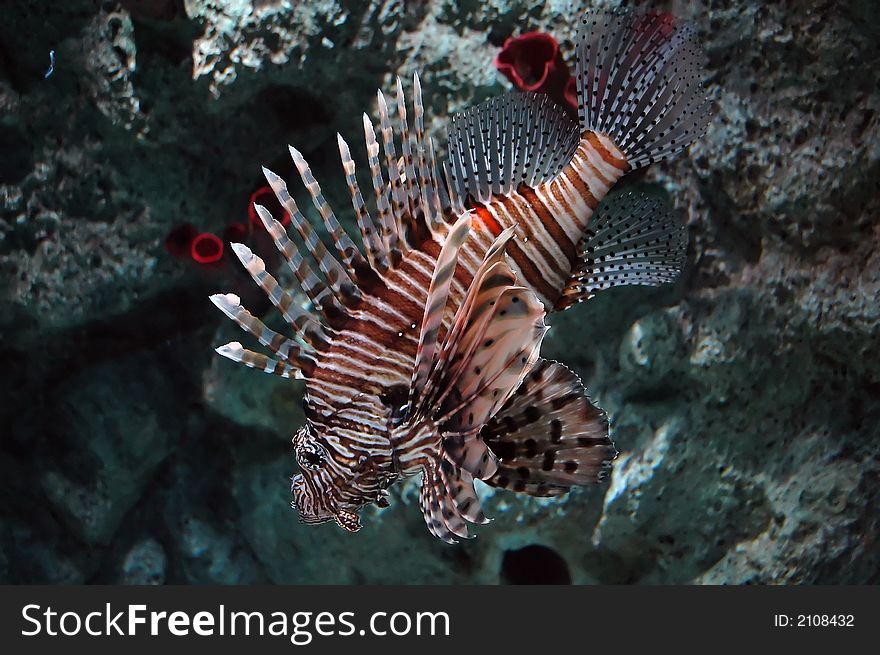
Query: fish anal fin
<point x="549" y="437"/>
<point x="633" y="239"/>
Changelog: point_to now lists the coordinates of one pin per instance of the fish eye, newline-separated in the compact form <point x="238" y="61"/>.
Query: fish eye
<point x="311" y="456"/>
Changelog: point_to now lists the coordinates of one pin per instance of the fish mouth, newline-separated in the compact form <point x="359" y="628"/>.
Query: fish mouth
<point x="305" y="504"/>
<point x="314" y="513"/>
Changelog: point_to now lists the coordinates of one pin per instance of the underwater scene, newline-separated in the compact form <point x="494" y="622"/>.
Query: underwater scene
<point x="587" y="293"/>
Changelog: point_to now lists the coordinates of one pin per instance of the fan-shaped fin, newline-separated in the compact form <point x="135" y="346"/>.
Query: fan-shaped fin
<point x="308" y="330"/>
<point x="346" y="248"/>
<point x="409" y="171"/>
<point x="400" y="207"/>
<point x="317" y="292"/>
<point x="234" y="351"/>
<point x="549" y="436"/>
<point x="435" y="306"/>
<point x="632" y="239"/>
<point x="373" y="242"/>
<point x="344" y="289"/>
<point x="639" y="80"/>
<point x="492" y="342"/>
<point x="517" y="138"/>
<point x="299" y="319"/>
<point x="442" y="517"/>
<point x="389" y="231"/>
<point x="460" y="485"/>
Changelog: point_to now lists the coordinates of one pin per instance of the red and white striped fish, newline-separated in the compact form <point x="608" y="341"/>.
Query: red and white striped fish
<point x="420" y="355"/>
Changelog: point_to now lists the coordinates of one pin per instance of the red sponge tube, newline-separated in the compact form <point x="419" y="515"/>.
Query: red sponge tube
<point x="206" y="248"/>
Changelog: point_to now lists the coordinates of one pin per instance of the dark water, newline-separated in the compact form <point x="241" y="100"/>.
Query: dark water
<point x="743" y="398"/>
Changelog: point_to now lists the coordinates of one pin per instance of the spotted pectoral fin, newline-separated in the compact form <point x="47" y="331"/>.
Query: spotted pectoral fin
<point x="549" y="436"/>
<point x="498" y="352"/>
<point x="448" y="500"/>
<point x="632" y="239"/>
<point x="493" y="341"/>
<point x="491" y="344"/>
<point x="448" y="358"/>
<point x="435" y="306"/>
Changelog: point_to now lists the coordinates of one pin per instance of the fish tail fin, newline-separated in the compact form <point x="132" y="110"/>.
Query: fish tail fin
<point x="632" y="239"/>
<point x="549" y="437"/>
<point x="639" y="81"/>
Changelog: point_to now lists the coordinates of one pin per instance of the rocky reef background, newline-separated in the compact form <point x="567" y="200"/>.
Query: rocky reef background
<point x="745" y="400"/>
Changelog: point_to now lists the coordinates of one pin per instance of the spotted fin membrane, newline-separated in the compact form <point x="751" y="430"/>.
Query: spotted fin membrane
<point x="513" y="139"/>
<point x="549" y="436"/>
<point x="413" y="202"/>
<point x="633" y="239"/>
<point x="459" y="384"/>
<point x="639" y="81"/>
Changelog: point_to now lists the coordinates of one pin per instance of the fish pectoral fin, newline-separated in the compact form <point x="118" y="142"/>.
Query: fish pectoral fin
<point x="549" y="436"/>
<point x="448" y="500"/>
<point x="492" y="342"/>
<point x="633" y="239"/>
<point x="435" y="307"/>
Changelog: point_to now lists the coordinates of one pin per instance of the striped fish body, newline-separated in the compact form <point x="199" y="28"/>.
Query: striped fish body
<point x="355" y="397"/>
<point x="366" y="424"/>
<point x="551" y="218"/>
<point x="421" y="351"/>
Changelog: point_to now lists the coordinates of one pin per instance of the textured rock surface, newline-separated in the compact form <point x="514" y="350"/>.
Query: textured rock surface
<point x="144" y="564"/>
<point x="743" y="400"/>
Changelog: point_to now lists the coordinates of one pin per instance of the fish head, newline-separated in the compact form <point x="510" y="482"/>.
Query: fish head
<point x="333" y="483"/>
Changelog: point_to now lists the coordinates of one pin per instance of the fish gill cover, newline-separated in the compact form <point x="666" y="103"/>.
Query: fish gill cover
<point x="742" y="398"/>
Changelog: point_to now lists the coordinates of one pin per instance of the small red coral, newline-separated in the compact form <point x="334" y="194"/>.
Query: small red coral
<point x="533" y="63"/>
<point x="266" y="197"/>
<point x="206" y="248"/>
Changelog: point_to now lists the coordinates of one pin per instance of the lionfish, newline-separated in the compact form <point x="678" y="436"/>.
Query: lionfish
<point x="421" y="353"/>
